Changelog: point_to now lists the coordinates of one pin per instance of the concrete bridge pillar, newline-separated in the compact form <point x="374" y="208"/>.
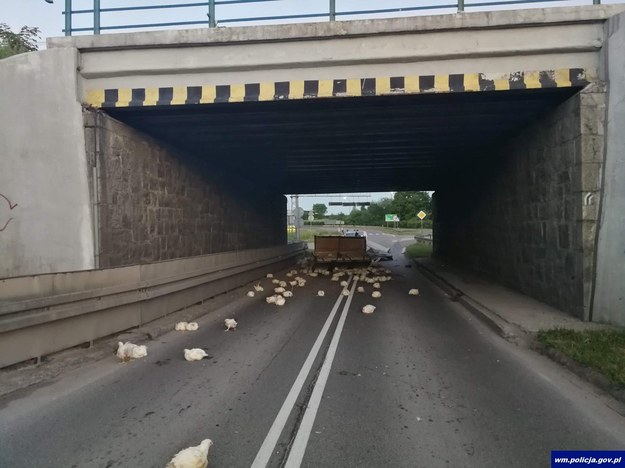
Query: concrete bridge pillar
<point x="609" y="292"/>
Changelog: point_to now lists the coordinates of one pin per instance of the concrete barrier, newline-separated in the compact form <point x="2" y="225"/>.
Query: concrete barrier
<point x="43" y="314"/>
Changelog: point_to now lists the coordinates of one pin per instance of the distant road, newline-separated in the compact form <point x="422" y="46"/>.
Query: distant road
<point x="383" y="241"/>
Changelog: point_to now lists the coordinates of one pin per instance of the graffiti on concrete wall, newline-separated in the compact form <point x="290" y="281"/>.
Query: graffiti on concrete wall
<point x="11" y="205"/>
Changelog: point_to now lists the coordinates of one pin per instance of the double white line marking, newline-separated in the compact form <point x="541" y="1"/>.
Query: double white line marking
<point x="296" y="455"/>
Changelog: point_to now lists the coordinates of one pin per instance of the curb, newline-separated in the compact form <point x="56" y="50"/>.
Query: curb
<point x="586" y="373"/>
<point x="489" y="317"/>
<point x="516" y="334"/>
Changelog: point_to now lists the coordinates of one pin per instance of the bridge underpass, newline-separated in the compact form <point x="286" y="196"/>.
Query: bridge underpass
<point x="506" y="166"/>
<point x="146" y="151"/>
<point x="176" y="147"/>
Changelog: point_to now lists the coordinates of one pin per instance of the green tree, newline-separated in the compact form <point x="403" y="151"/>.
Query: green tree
<point x="408" y="204"/>
<point x="13" y="43"/>
<point x="377" y="210"/>
<point x="319" y="210"/>
<point x="358" y="217"/>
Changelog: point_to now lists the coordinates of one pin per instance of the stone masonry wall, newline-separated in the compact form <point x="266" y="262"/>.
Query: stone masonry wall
<point x="527" y="217"/>
<point x="157" y="203"/>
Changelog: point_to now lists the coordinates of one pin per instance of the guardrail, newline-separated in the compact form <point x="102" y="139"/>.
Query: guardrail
<point x="43" y="314"/>
<point x="211" y="19"/>
<point x="425" y="239"/>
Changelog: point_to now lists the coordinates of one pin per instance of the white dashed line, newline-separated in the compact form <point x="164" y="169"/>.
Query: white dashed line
<point x="296" y="455"/>
<point x="266" y="450"/>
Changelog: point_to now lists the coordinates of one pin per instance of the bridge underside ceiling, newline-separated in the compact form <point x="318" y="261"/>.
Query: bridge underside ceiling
<point x="379" y="143"/>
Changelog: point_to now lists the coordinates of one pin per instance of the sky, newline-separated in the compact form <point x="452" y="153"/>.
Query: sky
<point x="307" y="201"/>
<point x="49" y="18"/>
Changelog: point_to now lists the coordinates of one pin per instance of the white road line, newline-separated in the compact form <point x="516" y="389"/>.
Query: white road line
<point x="266" y="449"/>
<point x="296" y="455"/>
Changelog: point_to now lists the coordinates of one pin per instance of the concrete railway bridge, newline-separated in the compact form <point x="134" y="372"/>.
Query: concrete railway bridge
<point x="145" y="172"/>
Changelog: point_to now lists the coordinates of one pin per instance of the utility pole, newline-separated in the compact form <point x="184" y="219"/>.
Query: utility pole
<point x="297" y="236"/>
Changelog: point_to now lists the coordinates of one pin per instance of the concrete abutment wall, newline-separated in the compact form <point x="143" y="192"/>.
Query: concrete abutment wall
<point x="45" y="219"/>
<point x="157" y="203"/>
<point x="609" y="295"/>
<point x="527" y="216"/>
<point x="79" y="192"/>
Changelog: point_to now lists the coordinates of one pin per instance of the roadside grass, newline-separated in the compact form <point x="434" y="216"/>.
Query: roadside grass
<point x="602" y="350"/>
<point x="308" y="235"/>
<point x="418" y="250"/>
<point x="390" y="230"/>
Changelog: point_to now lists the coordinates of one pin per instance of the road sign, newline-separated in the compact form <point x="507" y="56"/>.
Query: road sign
<point x="391" y="218"/>
<point x="421" y="215"/>
<point x="311" y="216"/>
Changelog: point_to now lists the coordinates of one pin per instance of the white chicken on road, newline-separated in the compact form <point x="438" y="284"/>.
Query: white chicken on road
<point x="231" y="324"/>
<point x="368" y="309"/>
<point x="195" y="354"/>
<point x="127" y="351"/>
<point x="192" y="326"/>
<point x="376" y="294"/>
<point x="413" y="292"/>
<point x="192" y="457"/>
<point x="181" y="326"/>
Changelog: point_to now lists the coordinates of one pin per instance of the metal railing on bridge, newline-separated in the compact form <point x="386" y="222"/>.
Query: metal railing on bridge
<point x="209" y="9"/>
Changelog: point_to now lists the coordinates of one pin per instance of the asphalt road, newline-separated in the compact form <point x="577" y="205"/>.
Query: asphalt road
<point x="419" y="383"/>
<point x="382" y="240"/>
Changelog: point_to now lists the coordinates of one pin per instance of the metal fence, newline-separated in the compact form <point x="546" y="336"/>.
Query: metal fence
<point x="211" y="19"/>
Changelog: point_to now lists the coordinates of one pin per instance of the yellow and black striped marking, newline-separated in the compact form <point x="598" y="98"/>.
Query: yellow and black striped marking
<point x="308" y="89"/>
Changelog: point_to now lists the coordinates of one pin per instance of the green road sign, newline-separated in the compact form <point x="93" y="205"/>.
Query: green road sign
<point x="391" y="218"/>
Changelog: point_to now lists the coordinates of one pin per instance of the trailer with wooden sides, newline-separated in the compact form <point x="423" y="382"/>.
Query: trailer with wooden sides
<point x="340" y="249"/>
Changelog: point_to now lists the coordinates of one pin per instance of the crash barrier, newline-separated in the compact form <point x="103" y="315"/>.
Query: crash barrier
<point x="424" y="239"/>
<point x="43" y="314"/>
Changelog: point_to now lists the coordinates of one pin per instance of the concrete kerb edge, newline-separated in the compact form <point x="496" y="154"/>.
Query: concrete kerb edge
<point x="507" y="331"/>
<point x="586" y="373"/>
<point x="489" y="317"/>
